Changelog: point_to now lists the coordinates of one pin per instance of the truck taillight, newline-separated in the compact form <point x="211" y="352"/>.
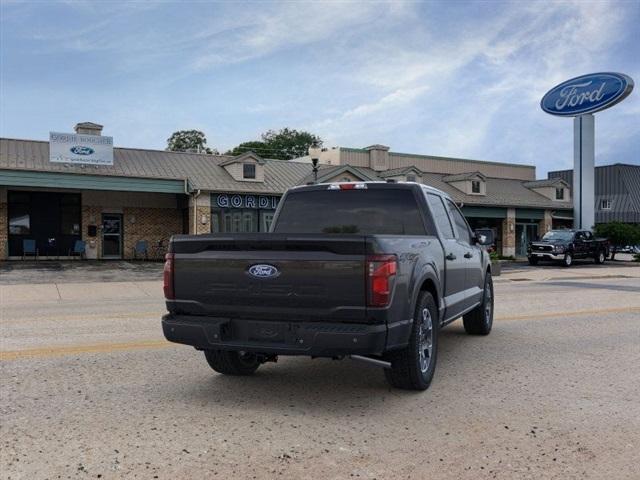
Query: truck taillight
<point x="167" y="276"/>
<point x="381" y="270"/>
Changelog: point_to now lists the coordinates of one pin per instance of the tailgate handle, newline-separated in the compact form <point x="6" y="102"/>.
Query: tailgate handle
<point x="451" y="256"/>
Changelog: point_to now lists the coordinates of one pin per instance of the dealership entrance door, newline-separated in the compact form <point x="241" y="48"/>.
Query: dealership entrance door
<point x="111" y="235"/>
<point x="525" y="233"/>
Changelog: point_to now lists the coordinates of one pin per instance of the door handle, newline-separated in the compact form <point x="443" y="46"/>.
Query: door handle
<point x="451" y="256"/>
<point x="468" y="255"/>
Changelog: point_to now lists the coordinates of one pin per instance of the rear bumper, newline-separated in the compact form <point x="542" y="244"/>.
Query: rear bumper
<point x="319" y="339"/>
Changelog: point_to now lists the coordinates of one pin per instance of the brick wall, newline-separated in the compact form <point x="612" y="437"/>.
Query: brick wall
<point x="202" y="213"/>
<point x="152" y="225"/>
<point x="91" y="215"/>
<point x="139" y="223"/>
<point x="509" y="233"/>
<point x="545" y="224"/>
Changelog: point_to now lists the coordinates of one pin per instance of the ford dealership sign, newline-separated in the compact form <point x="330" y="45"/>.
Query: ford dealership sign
<point x="76" y="148"/>
<point x="587" y="94"/>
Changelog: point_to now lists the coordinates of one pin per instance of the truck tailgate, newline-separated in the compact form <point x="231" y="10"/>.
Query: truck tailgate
<point x="271" y="276"/>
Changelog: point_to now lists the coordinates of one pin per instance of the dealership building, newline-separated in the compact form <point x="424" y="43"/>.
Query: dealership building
<point x="616" y="191"/>
<point x="114" y="198"/>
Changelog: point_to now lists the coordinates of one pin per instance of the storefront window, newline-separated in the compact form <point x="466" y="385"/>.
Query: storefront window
<point x="19" y="217"/>
<point x="239" y="213"/>
<point x="19" y="220"/>
<point x="52" y="219"/>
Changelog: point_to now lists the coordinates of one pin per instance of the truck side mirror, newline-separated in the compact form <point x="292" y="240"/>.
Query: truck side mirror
<point x="484" y="237"/>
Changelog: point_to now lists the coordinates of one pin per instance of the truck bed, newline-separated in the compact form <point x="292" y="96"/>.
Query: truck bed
<point x="318" y="277"/>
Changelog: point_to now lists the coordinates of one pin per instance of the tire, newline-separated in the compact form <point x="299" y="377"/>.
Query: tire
<point x="412" y="368"/>
<point x="568" y="260"/>
<point x="480" y="320"/>
<point x="600" y="257"/>
<point x="533" y="261"/>
<point x="232" y="363"/>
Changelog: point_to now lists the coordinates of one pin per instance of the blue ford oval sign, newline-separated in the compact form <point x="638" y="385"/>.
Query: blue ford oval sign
<point x="80" y="150"/>
<point x="263" y="270"/>
<point x="587" y="94"/>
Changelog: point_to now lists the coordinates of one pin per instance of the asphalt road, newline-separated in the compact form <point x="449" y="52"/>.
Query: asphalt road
<point x="90" y="390"/>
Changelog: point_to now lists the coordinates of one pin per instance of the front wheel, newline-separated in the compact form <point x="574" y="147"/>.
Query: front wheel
<point x="600" y="257"/>
<point x="412" y="368"/>
<point x="568" y="260"/>
<point x="533" y="261"/>
<point x="232" y="363"/>
<point x="480" y="320"/>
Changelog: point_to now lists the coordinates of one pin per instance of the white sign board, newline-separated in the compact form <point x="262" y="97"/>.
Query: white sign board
<point x="77" y="149"/>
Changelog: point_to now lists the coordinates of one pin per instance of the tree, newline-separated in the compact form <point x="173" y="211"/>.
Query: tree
<point x="257" y="147"/>
<point x="188" y="141"/>
<point x="288" y="144"/>
<point x="284" y="144"/>
<point x="619" y="234"/>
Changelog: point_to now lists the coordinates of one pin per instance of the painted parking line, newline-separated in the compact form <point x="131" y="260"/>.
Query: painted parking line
<point x="45" y="352"/>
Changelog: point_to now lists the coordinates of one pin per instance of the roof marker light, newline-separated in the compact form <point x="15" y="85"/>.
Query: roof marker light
<point x="348" y="186"/>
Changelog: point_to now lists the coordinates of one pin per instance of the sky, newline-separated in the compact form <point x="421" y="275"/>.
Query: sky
<point x="451" y="78"/>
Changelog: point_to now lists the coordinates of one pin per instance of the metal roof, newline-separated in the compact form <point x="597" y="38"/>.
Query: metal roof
<point x="201" y="170"/>
<point x="547" y="182"/>
<point x="619" y="184"/>
<point x="499" y="191"/>
<point x="206" y="172"/>
<point x="463" y="176"/>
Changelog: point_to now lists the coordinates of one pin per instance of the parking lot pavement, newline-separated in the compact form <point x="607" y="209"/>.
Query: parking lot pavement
<point x="91" y="390"/>
<point x="78" y="271"/>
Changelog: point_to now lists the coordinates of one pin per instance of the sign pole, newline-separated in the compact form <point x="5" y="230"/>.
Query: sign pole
<point x="583" y="171"/>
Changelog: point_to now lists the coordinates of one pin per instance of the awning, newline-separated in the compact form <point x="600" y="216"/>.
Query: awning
<point x="30" y="178"/>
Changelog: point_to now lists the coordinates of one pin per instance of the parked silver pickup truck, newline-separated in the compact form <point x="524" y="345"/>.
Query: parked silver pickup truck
<point x="367" y="270"/>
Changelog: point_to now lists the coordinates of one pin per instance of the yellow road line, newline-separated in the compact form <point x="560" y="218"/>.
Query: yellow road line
<point x="569" y="314"/>
<point x="76" y="349"/>
<point x="45" y="352"/>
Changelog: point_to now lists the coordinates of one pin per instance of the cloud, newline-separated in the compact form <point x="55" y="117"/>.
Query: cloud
<point x="445" y="78"/>
<point x="286" y="26"/>
<point x="484" y="83"/>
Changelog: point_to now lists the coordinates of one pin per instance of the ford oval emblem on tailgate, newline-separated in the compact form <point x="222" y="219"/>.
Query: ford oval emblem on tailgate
<point x="263" y="270"/>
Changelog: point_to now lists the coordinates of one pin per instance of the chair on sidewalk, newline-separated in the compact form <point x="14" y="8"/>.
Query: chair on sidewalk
<point x="29" y="248"/>
<point x="142" y="249"/>
<point x="80" y="249"/>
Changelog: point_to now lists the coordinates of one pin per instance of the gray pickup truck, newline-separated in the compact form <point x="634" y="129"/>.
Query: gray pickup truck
<point x="368" y="270"/>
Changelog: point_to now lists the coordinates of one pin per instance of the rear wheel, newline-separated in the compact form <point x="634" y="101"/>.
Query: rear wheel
<point x="600" y="257"/>
<point x="413" y="367"/>
<point x="480" y="320"/>
<point x="232" y="363"/>
<point x="567" y="261"/>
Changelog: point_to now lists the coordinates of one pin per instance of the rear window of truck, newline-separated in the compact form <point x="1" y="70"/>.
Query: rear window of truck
<point x="368" y="212"/>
